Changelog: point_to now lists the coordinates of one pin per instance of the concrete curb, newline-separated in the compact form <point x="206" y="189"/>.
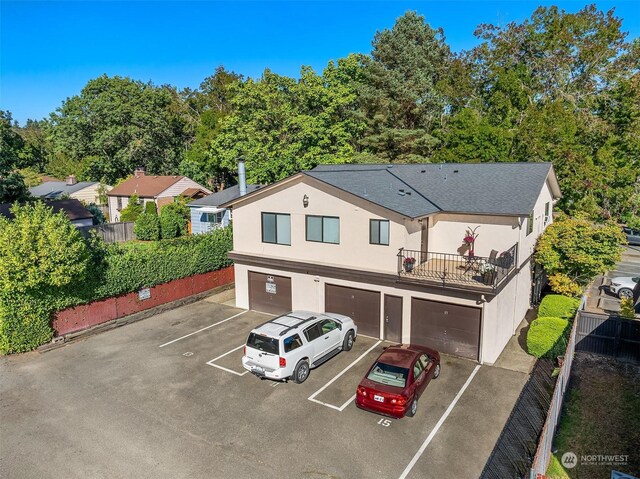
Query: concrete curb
<point x="221" y="292"/>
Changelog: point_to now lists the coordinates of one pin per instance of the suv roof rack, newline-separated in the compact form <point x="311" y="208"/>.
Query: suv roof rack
<point x="286" y="326"/>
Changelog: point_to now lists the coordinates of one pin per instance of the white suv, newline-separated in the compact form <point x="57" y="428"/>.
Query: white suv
<point x="288" y="346"/>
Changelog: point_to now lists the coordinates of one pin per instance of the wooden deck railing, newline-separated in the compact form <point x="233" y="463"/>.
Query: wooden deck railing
<point x="454" y="269"/>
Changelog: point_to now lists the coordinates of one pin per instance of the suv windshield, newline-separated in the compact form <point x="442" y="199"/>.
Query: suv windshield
<point x="387" y="374"/>
<point x="263" y="343"/>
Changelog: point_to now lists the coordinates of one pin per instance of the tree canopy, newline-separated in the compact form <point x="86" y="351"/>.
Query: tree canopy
<point x="562" y="87"/>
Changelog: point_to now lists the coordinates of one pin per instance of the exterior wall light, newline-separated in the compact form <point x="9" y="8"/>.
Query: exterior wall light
<point x="305" y="201"/>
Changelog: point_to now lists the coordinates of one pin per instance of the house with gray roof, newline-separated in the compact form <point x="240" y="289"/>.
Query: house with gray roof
<point x="206" y="213"/>
<point x="85" y="191"/>
<point x="432" y="254"/>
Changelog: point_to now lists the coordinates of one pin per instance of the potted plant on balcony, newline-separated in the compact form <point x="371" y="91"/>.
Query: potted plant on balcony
<point x="489" y="274"/>
<point x="469" y="239"/>
<point x="408" y="263"/>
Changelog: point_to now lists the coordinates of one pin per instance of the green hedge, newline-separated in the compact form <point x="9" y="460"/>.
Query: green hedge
<point x="127" y="267"/>
<point x="558" y="306"/>
<point x="546" y="337"/>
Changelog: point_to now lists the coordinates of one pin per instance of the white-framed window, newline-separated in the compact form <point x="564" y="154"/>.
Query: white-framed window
<point x="323" y="229"/>
<point x="530" y="224"/>
<point x="379" y="232"/>
<point x="212" y="217"/>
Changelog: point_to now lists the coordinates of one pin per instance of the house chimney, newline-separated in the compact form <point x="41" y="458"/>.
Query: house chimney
<point x="71" y="180"/>
<point x="242" y="177"/>
<point x="138" y="172"/>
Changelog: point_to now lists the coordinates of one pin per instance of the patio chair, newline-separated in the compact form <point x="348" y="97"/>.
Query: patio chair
<point x="492" y="258"/>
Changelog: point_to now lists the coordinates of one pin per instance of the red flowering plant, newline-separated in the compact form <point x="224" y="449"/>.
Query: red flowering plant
<point x="469" y="239"/>
<point x="409" y="260"/>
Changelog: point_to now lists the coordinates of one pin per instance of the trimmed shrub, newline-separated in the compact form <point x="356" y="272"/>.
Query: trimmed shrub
<point x="147" y="226"/>
<point x="172" y="221"/>
<point x="127" y="267"/>
<point x="151" y="207"/>
<point x="132" y="210"/>
<point x="546" y="337"/>
<point x="558" y="306"/>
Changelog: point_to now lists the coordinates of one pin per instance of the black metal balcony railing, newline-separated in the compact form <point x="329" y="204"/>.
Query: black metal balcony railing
<point x="454" y="269"/>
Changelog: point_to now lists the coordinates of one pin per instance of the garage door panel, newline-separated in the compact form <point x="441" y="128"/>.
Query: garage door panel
<point x="448" y="328"/>
<point x="361" y="305"/>
<point x="269" y="293"/>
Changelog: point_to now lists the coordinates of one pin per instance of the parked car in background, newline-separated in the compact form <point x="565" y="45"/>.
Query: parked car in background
<point x="289" y="346"/>
<point x="633" y="235"/>
<point x="397" y="379"/>
<point x="623" y="286"/>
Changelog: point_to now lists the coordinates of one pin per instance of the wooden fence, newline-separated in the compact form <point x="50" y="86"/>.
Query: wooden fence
<point x="609" y="335"/>
<point x="111" y="232"/>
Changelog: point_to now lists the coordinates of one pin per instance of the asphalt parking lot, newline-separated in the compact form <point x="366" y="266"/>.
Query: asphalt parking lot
<point x="167" y="397"/>
<point x="601" y="299"/>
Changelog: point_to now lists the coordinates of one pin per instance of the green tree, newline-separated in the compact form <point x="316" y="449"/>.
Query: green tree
<point x="117" y="124"/>
<point x="132" y="210"/>
<point x="401" y="96"/>
<point x="98" y="215"/>
<point x="573" y="251"/>
<point x="12" y="186"/>
<point x="282" y="126"/>
<point x="39" y="252"/>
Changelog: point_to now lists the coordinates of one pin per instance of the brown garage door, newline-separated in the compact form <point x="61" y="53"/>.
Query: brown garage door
<point x="269" y="293"/>
<point x="359" y="304"/>
<point x="448" y="328"/>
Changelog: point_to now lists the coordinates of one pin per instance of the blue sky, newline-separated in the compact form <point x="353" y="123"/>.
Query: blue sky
<point x="49" y="50"/>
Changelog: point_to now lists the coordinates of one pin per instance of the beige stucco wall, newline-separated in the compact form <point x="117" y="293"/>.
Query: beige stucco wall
<point x="354" y="250"/>
<point x="307" y="293"/>
<point x="114" y="214"/>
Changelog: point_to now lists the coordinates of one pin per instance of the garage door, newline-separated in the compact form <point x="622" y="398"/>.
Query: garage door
<point x="269" y="293"/>
<point x="361" y="305"/>
<point x="448" y="328"/>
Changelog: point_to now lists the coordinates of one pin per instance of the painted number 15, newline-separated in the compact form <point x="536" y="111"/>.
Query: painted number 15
<point x="385" y="422"/>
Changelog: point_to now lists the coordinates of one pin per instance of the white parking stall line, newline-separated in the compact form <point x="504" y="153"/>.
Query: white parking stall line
<point x="211" y="363"/>
<point x="200" y="330"/>
<point x="340" y="408"/>
<point x="433" y="433"/>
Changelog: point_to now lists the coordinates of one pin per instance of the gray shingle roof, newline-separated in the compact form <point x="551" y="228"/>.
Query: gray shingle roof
<point x="55" y="189"/>
<point x="479" y="188"/>
<point x="221" y="197"/>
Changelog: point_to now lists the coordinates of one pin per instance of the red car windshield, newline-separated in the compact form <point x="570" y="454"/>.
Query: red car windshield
<point x="390" y="375"/>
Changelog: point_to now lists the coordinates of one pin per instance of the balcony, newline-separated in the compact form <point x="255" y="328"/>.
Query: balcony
<point x="453" y="270"/>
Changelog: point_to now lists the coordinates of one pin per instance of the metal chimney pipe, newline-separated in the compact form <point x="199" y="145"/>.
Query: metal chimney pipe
<point x="242" y="177"/>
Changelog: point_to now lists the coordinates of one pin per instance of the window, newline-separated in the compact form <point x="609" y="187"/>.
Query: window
<point x="119" y="203"/>
<point x="276" y="228"/>
<point x="212" y="217"/>
<point x="388" y="374"/>
<point x="379" y="232"/>
<point x="291" y="343"/>
<point x="313" y="332"/>
<point x="328" y="325"/>
<point x="324" y="229"/>
<point x="263" y="343"/>
<point x="417" y="369"/>
<point x="530" y="224"/>
<point x="547" y="209"/>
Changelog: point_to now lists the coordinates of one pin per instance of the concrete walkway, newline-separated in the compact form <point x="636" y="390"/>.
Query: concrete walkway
<point x="514" y="356"/>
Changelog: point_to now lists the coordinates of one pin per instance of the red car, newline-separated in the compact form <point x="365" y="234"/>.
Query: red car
<point x="397" y="379"/>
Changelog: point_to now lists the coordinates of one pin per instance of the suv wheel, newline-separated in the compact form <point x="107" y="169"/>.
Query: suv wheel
<point x="436" y="373"/>
<point x="301" y="372"/>
<point x="347" y="344"/>
<point x="414" y="407"/>
<point x="625" y="293"/>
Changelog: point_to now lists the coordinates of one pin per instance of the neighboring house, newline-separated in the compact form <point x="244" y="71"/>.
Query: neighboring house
<point x="159" y="189"/>
<point x="75" y="211"/>
<point x="206" y="213"/>
<point x="86" y="191"/>
<point x="338" y="238"/>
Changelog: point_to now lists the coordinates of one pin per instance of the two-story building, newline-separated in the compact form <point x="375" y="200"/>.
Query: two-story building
<point x="385" y="245"/>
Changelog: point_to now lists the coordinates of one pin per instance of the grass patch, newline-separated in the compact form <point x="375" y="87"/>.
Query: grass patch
<point x="601" y="416"/>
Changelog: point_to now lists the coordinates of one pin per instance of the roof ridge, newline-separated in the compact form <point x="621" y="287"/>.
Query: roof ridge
<point x="402" y="181"/>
